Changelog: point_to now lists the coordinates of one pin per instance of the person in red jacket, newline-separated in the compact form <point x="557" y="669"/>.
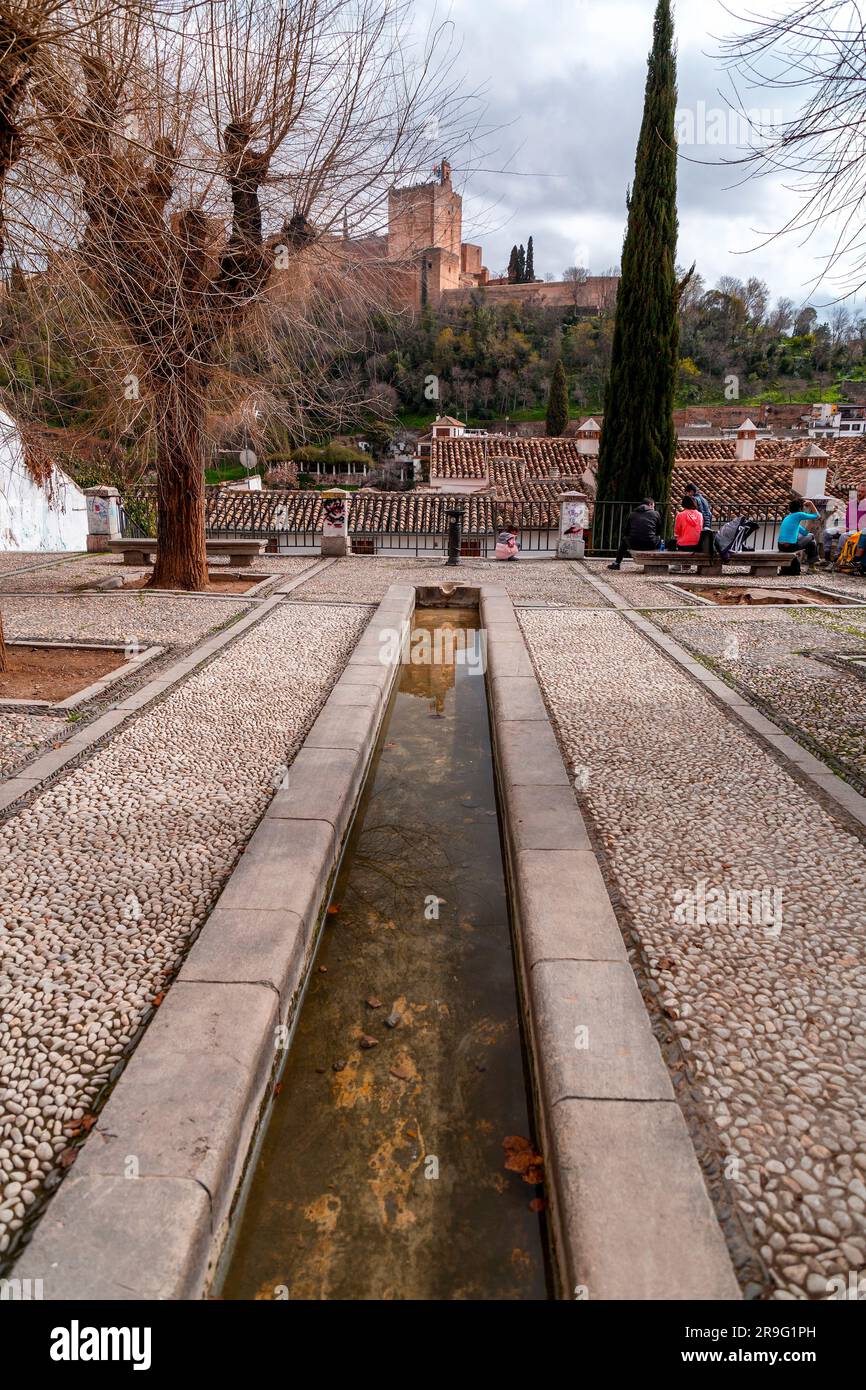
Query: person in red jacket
<point x="689" y="525"/>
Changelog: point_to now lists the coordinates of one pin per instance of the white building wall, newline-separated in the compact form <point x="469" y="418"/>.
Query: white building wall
<point x="28" y="519"/>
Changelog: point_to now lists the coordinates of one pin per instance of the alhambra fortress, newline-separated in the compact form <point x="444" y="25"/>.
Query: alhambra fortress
<point x="427" y="261"/>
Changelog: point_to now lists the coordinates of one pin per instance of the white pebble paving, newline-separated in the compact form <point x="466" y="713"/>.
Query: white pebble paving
<point x="774" y="1027"/>
<point x="22" y="734"/>
<point x="105" y="875"/>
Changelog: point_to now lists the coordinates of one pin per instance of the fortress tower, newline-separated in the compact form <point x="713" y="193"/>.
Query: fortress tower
<point x="425" y="227"/>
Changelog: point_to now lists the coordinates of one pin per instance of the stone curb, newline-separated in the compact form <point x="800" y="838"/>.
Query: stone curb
<point x="630" y="1214"/>
<point x="168" y="1156"/>
<point x="48" y="764"/>
<point x="810" y="767"/>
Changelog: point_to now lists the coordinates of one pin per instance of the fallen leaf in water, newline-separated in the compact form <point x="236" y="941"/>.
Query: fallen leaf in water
<point x="522" y="1158"/>
<point x="366" y="1042"/>
<point x="392" y="1020"/>
<point x="340" y="1065"/>
<point x="278" y="1087"/>
<point x="373" y="1003"/>
<point x="537" y="1204"/>
<point x="333" y="909"/>
<point x="403" y="1075"/>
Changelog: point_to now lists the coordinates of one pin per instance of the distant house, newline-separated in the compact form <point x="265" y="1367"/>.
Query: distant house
<point x="37" y="516"/>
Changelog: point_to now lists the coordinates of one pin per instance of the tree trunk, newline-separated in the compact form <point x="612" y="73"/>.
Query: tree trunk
<point x="181" y="561"/>
<point x="2" y="646"/>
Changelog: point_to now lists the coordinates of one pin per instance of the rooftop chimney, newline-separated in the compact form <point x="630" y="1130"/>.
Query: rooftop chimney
<point x="810" y="472"/>
<point x="747" y="436"/>
<point x="588" y="437"/>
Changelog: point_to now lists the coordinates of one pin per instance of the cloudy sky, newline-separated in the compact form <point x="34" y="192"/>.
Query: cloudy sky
<point x="564" y="86"/>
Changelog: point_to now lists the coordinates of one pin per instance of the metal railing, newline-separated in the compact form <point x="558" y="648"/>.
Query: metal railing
<point x="291" y="523"/>
<point x="608" y="523"/>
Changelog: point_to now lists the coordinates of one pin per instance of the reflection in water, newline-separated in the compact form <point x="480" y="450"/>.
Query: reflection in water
<point x="382" y="1174"/>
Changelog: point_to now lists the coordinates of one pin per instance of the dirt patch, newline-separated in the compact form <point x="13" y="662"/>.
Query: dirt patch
<point x="53" y="673"/>
<point x="763" y="598"/>
<point x="217" y="583"/>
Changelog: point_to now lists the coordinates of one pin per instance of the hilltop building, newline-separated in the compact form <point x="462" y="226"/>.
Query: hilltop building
<point x="428" y="262"/>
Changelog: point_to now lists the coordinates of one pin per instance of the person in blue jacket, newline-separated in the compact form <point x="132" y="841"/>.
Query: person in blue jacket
<point x="794" y="535"/>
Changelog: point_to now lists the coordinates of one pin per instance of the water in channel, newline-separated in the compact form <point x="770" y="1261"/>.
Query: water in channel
<point x="382" y="1174"/>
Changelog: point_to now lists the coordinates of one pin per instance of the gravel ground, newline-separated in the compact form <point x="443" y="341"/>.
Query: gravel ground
<point x="118" y="617"/>
<point x="773" y="1023"/>
<point x="366" y="579"/>
<point x="105" y="875"/>
<point x="780" y="657"/>
<point x="22" y="734"/>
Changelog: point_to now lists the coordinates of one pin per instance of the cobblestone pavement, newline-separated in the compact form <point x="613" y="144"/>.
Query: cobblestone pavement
<point x="789" y="660"/>
<point x="25" y="559"/>
<point x="54" y="579"/>
<point x="764" y="980"/>
<point x="117" y="618"/>
<point x="105" y="875"/>
<point x="367" y="578"/>
<point x="22" y="734"/>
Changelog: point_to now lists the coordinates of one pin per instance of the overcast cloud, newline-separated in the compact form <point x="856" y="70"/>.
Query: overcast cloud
<point x="565" y="83"/>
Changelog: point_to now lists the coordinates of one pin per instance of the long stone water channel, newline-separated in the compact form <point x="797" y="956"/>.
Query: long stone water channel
<point x="399" y="1160"/>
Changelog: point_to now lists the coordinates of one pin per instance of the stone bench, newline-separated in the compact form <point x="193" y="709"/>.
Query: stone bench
<point x="756" y="561"/>
<point x="664" y="559"/>
<point x="140" y="552"/>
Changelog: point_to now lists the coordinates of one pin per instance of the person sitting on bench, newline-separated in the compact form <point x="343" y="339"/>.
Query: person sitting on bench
<point x="643" y="531"/>
<point x="794" y="536"/>
<point x="689" y="526"/>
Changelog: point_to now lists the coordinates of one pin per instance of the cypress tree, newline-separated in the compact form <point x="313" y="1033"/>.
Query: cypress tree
<point x="530" y="262"/>
<point x="638" y="442"/>
<point x="513" y="266"/>
<point x="521" y="264"/>
<point x="557" y="401"/>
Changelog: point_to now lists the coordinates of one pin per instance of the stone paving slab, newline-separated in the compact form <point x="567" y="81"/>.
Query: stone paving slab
<point x="578" y="986"/>
<point x="597" y="1032"/>
<point x="639" y="1156"/>
<point x="168" y="1224"/>
<point x="244" y="945"/>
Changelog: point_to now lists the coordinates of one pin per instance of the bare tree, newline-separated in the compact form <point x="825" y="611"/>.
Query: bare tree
<point x="782" y="316"/>
<point x="576" y="276"/>
<point x="187" y="160"/>
<point x="815" y="48"/>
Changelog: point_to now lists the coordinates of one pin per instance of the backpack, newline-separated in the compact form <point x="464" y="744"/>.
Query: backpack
<point x="845" y="558"/>
<point x="731" y="539"/>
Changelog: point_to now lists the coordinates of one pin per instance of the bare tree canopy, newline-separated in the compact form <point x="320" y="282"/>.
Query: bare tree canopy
<point x="815" y="52"/>
<point x="180" y="169"/>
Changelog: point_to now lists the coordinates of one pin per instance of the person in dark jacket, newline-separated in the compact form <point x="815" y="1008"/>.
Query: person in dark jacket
<point x="643" y="531"/>
<point x="703" y="506"/>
